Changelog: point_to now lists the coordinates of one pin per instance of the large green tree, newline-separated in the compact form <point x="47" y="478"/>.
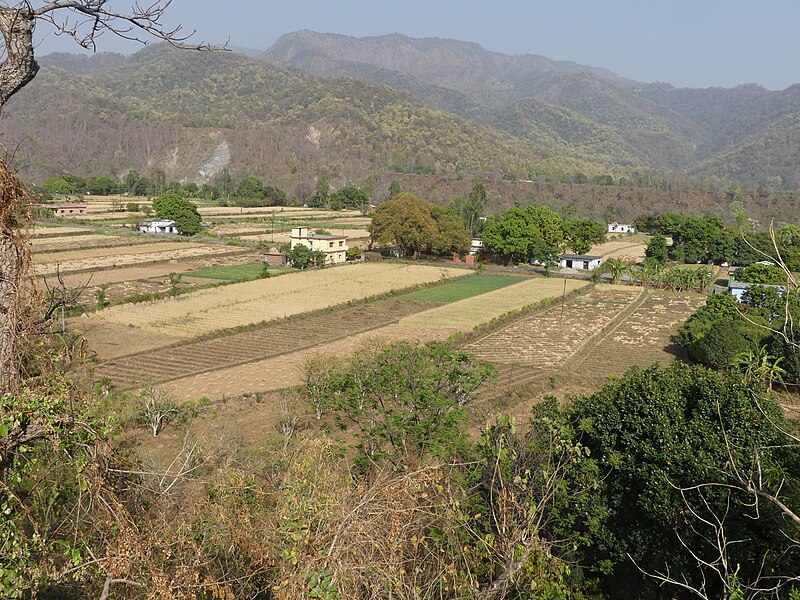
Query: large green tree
<point x="173" y="205"/>
<point x="533" y="233"/>
<point x="408" y="222"/>
<point x="453" y="235"/>
<point x="656" y="249"/>
<point x="691" y="459"/>
<point x="581" y="235"/>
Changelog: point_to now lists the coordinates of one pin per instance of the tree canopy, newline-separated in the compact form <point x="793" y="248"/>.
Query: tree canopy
<point x="173" y="205"/>
<point x="672" y="445"/>
<point x="415" y="226"/>
<point x="538" y="233"/>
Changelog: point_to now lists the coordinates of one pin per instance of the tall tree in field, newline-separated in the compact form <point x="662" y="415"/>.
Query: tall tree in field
<point x="581" y="235"/>
<point x="84" y="21"/>
<point x="472" y="208"/>
<point x="414" y="225"/>
<point x="656" y="249"/>
<point x="453" y="235"/>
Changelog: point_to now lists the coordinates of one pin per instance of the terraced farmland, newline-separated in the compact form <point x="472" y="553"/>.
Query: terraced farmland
<point x="548" y="339"/>
<point x="268" y="299"/>
<point x="643" y="337"/>
<point x="469" y="313"/>
<point x="270" y="340"/>
<point x="98" y="259"/>
<point x="604" y="333"/>
<point x="428" y="325"/>
<point x="84" y="242"/>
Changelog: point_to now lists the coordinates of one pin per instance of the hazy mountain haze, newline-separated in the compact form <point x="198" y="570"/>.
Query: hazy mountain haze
<point x="685" y="43"/>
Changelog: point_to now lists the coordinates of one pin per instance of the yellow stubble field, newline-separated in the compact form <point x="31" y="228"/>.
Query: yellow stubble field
<point x="268" y="299"/>
<point x="433" y="324"/>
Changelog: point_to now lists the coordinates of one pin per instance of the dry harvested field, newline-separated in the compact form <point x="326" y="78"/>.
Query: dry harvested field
<point x="75" y="242"/>
<point x="627" y="248"/>
<point x="45" y="232"/>
<point x="273" y="339"/>
<point x="99" y="259"/>
<point x="285" y="370"/>
<point x="70" y="255"/>
<point x="643" y="337"/>
<point x="268" y="299"/>
<point x="150" y="271"/>
<point x="467" y="314"/>
<point x="549" y="338"/>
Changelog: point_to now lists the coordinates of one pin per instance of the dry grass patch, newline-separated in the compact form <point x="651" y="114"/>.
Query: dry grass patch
<point x="268" y="299"/>
<point x="627" y="248"/>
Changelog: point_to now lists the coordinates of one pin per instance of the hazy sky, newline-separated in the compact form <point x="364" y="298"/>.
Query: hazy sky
<point x="695" y="43"/>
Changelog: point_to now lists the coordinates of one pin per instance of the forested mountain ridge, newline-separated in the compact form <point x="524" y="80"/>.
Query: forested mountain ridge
<point x="506" y="118"/>
<point x="189" y="113"/>
<point x="737" y="132"/>
<point x="180" y="111"/>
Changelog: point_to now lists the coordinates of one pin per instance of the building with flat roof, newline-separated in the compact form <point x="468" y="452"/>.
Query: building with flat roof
<point x="334" y="247"/>
<point x="66" y="210"/>
<point x="582" y="262"/>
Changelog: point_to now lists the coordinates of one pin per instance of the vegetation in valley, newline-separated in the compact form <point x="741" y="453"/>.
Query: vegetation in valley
<point x="390" y="467"/>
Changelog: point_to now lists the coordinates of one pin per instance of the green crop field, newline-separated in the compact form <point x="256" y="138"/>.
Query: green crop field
<point x="461" y="289"/>
<point x="236" y="272"/>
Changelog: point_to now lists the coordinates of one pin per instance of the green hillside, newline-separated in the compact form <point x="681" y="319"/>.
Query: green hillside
<point x="177" y="109"/>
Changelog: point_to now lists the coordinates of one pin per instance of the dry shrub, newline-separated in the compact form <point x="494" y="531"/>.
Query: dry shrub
<point x="396" y="536"/>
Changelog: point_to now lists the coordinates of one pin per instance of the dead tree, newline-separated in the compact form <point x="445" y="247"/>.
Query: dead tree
<point x="84" y="21"/>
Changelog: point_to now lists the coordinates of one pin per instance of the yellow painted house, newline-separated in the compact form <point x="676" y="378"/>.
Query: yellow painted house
<point x="333" y="246"/>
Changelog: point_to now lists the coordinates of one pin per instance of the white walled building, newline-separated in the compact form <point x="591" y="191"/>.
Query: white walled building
<point x="163" y="226"/>
<point x="621" y="228"/>
<point x="475" y="246"/>
<point x="580" y="262"/>
<point x="333" y="246"/>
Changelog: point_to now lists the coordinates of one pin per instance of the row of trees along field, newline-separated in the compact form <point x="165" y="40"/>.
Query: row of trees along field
<point x="243" y="191"/>
<point x="539" y="233"/>
<point x="708" y="239"/>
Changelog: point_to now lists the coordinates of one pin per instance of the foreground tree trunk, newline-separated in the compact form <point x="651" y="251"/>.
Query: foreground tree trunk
<point x="12" y="263"/>
<point x="18" y="69"/>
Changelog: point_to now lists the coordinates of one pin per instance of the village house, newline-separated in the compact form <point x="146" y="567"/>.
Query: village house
<point x="581" y="262"/>
<point x="333" y="246"/>
<point x="621" y="228"/>
<point x="72" y="210"/>
<point x="163" y="226"/>
<point x="738" y="288"/>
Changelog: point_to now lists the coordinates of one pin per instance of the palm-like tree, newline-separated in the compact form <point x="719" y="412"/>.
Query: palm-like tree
<point x="616" y="267"/>
<point x="757" y="364"/>
<point x="702" y="277"/>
